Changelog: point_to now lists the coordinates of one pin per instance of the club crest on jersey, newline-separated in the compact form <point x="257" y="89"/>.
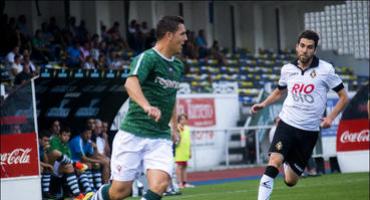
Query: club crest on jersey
<point x="279" y="146"/>
<point x="313" y="74"/>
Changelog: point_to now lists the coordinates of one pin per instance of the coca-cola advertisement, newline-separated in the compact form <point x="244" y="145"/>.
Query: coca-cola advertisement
<point x="18" y="155"/>
<point x="200" y="111"/>
<point x="18" y="146"/>
<point x="353" y="130"/>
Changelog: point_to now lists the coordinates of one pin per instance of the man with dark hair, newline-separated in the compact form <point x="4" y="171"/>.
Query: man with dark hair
<point x="59" y="155"/>
<point x="307" y="81"/>
<point x="144" y="139"/>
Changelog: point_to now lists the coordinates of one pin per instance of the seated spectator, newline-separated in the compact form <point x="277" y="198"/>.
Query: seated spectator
<point x="45" y="168"/>
<point x="201" y="42"/>
<point x="82" y="150"/>
<point x="74" y="56"/>
<point x="16" y="67"/>
<point x="24" y="75"/>
<point x="102" y="63"/>
<point x="114" y="31"/>
<point x="40" y="50"/>
<point x="89" y="63"/>
<point x="59" y="155"/>
<point x="215" y="52"/>
<point x="85" y="50"/>
<point x="27" y="60"/>
<point x="10" y="56"/>
<point x="102" y="150"/>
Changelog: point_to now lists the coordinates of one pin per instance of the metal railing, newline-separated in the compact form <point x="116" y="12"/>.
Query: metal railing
<point x="227" y="133"/>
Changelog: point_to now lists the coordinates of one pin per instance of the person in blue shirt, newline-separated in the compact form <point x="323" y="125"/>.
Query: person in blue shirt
<point x="83" y="151"/>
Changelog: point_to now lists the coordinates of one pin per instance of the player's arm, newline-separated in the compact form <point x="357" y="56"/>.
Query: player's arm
<point x="135" y="92"/>
<point x="272" y="98"/>
<point x="341" y="104"/>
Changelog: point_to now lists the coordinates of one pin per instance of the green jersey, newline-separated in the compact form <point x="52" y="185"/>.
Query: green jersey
<point x="159" y="80"/>
<point x="57" y="144"/>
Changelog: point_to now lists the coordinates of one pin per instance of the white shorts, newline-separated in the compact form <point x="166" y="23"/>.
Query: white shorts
<point x="132" y="155"/>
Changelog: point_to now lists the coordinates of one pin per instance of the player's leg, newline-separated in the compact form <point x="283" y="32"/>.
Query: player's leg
<point x="125" y="163"/>
<point x="299" y="155"/>
<point x="158" y="163"/>
<point x="70" y="178"/>
<point x="278" y="150"/>
<point x="179" y="174"/>
<point x="158" y="182"/>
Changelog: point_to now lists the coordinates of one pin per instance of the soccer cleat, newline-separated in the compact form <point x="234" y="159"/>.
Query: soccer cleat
<point x="88" y="196"/>
<point x="79" y="197"/>
<point x="81" y="167"/>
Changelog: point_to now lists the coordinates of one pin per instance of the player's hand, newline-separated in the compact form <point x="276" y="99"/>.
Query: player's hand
<point x="257" y="107"/>
<point x="153" y="112"/>
<point x="326" y="122"/>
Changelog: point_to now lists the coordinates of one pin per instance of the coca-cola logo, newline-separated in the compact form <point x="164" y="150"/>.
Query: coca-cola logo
<point x="17" y="156"/>
<point x="348" y="137"/>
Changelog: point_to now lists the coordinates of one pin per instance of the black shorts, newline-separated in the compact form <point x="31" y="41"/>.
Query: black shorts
<point x="296" y="145"/>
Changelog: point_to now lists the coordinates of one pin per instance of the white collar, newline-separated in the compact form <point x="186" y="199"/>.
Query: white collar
<point x="164" y="57"/>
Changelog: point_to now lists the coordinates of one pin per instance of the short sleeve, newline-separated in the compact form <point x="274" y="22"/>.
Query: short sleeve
<point x="282" y="84"/>
<point x="89" y="149"/>
<point x="333" y="80"/>
<point x="141" y="67"/>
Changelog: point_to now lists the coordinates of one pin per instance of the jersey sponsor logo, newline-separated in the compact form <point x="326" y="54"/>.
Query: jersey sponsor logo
<point x="302" y="92"/>
<point x="166" y="83"/>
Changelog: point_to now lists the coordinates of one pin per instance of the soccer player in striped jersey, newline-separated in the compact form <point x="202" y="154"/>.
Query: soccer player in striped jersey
<point x="143" y="142"/>
<point x="307" y="81"/>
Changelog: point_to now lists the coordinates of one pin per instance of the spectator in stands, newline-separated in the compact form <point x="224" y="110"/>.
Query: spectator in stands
<point x="215" y="52"/>
<point x="71" y="26"/>
<point x="89" y="63"/>
<point x="16" y="67"/>
<point x="10" y="56"/>
<point x="23" y="28"/>
<point x="82" y="150"/>
<point x="39" y="47"/>
<point x="45" y="168"/>
<point x="74" y="55"/>
<point x="114" y="32"/>
<point x="201" y="42"/>
<point x="191" y="49"/>
<point x="27" y="60"/>
<point x="103" y="32"/>
<point x="59" y="155"/>
<point x="131" y="34"/>
<point x="24" y="75"/>
<point x="102" y="63"/>
<point x="94" y="47"/>
<point x="52" y="26"/>
<point x="82" y="33"/>
<point x="85" y="50"/>
<point x="150" y="39"/>
<point x="183" y="151"/>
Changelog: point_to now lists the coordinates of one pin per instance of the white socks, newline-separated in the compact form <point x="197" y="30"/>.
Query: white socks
<point x="265" y="188"/>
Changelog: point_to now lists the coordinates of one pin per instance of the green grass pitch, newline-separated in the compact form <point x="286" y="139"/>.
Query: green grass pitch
<point x="351" y="186"/>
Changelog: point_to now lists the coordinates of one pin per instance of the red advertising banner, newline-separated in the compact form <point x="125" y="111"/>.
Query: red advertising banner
<point x="18" y="138"/>
<point x="200" y="111"/>
<point x="353" y="135"/>
<point x="18" y="155"/>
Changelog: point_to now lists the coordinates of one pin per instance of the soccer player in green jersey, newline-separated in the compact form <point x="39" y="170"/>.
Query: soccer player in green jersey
<point x="144" y="139"/>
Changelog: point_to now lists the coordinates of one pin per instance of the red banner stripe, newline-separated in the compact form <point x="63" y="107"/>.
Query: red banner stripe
<point x="13" y="120"/>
